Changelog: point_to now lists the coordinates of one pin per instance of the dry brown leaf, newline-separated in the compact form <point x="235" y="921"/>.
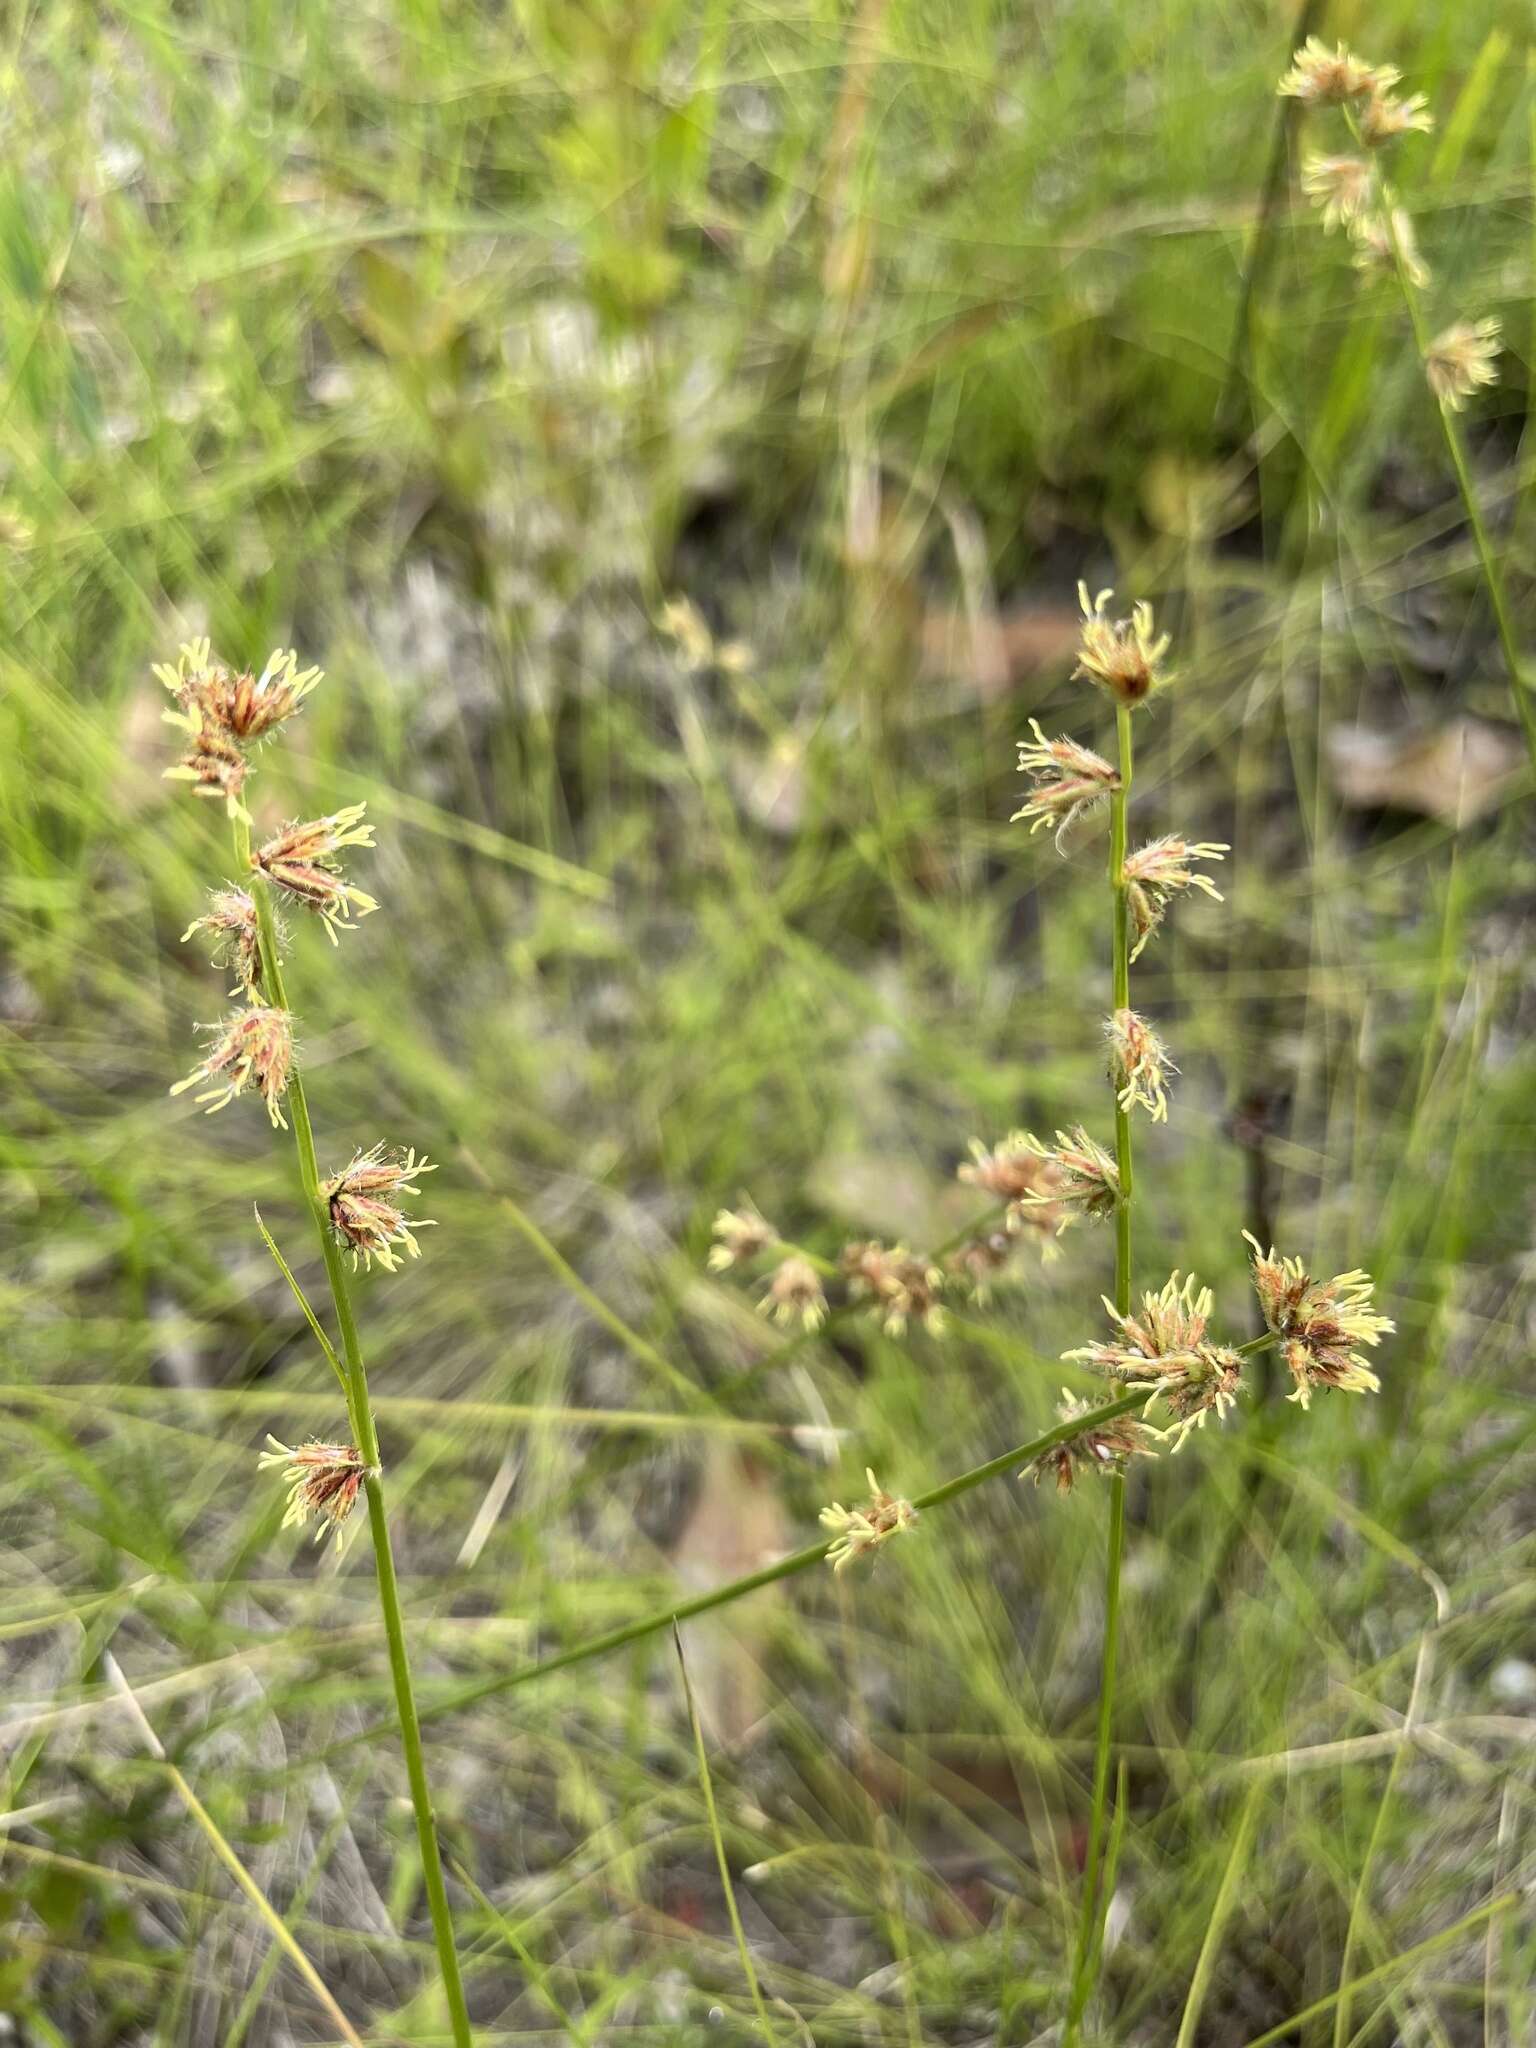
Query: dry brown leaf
<point x="993" y="652"/>
<point x="737" y="1525"/>
<point x="1454" y="772"/>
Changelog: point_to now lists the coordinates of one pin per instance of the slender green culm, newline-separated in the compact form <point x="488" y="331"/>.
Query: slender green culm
<point x="224" y="716"/>
<point x="722" y="1863"/>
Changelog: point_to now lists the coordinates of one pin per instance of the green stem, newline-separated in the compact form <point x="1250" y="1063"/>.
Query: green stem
<point x="1525" y="703"/>
<point x="783" y="1568"/>
<point x="366" y="1438"/>
<point x="1090" y="1918"/>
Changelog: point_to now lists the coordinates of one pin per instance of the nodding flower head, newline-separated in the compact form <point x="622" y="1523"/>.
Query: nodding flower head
<point x="899" y="1287"/>
<point x="212" y="762"/>
<point x="1159" y="871"/>
<point x="1319" y="1323"/>
<point x="1342" y="186"/>
<point x="1083" y="1181"/>
<point x="1383" y="118"/>
<point x="1098" y="1447"/>
<point x="1068" y="781"/>
<point x="1124" y="655"/>
<point x="1139" y="1065"/>
<point x="302" y="861"/>
<point x="1373" y="238"/>
<point x="1322" y="77"/>
<point x="322" y="1480"/>
<point x="362" y="1210"/>
<point x="1166" y="1351"/>
<point x="253" y="1047"/>
<point x="740" y="1234"/>
<point x="1460" y="361"/>
<point x="230" y="921"/>
<point x="858" y="1531"/>
<point x="794" y="1294"/>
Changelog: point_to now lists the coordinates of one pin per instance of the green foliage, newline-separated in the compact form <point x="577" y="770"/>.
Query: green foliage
<point x="448" y="343"/>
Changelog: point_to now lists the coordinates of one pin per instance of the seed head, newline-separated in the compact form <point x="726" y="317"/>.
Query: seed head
<point x="741" y="1234"/>
<point x="1124" y="655"/>
<point x="1139" y="1065"/>
<point x="302" y="861"/>
<point x="1069" y="781"/>
<point x="1011" y="1171"/>
<point x="1383" y="118"/>
<point x="211" y="762"/>
<point x="322" y="1480"/>
<point x="1159" y="871"/>
<point x="899" y="1287"/>
<point x="1322" y="77"/>
<point x="859" y="1530"/>
<point x="795" y="1295"/>
<point x="1341" y="185"/>
<point x="1103" y="1447"/>
<point x="1460" y="361"/>
<point x="363" y="1215"/>
<point x="1319" y="1322"/>
<point x="1082" y="1178"/>
<point x="1373" y="245"/>
<point x="253" y="1047"/>
<point x="1015" y="1171"/>
<point x="979" y="1258"/>
<point x="230" y="921"/>
<point x="1166" y="1351"/>
<point x="245" y="707"/>
<point x="221" y="713"/>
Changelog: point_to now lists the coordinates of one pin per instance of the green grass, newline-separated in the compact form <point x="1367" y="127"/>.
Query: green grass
<point x="449" y="345"/>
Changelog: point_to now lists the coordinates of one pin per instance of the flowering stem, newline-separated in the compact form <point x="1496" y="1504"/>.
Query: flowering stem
<point x="797" y="1561"/>
<point x="1091" y="1915"/>
<point x="1525" y="705"/>
<point x="365" y="1436"/>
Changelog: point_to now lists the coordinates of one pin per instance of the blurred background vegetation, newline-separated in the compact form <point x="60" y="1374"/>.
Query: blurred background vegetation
<point x="678" y="429"/>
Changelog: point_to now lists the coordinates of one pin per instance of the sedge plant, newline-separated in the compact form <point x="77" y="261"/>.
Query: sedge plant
<point x="1160" y="1353"/>
<point x="1353" y="192"/>
<point x="356" y="1209"/>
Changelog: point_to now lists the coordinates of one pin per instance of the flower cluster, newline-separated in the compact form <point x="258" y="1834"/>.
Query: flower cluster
<point x="1067" y="781"/>
<point x="794" y="1294"/>
<point x="1159" y="871"/>
<point x="230" y="921"/>
<point x="1459" y="362"/>
<point x="858" y="1531"/>
<point x="323" y="1480"/>
<point x="740" y="1235"/>
<point x="362" y="1212"/>
<point x="1352" y="193"/>
<point x="1166" y="1352"/>
<point x="253" y="1048"/>
<point x="1139" y="1065"/>
<point x="982" y="1256"/>
<point x="1084" y="1181"/>
<point x="1319" y="1323"/>
<point x="1014" y="1171"/>
<point x="1098" y="1447"/>
<point x="1125" y="656"/>
<point x="222" y="714"/>
<point x="899" y="1286"/>
<point x="301" y="861"/>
